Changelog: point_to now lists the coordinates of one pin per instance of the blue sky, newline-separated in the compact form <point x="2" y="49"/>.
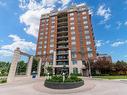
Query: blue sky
<point x="19" y="23"/>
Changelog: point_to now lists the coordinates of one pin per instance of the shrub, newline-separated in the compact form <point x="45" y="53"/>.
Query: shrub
<point x="3" y="80"/>
<point x="59" y="78"/>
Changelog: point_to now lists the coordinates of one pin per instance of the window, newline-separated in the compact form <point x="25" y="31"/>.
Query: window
<point x="51" y="63"/>
<point x="87" y="37"/>
<point x="90" y="54"/>
<point x="53" y="18"/>
<point x="85" y="22"/>
<point x="83" y="13"/>
<point x="71" y="14"/>
<point x="75" y="70"/>
<point x="73" y="33"/>
<point x="43" y="21"/>
<point x="45" y="37"/>
<point x="74" y="62"/>
<point x="39" y="52"/>
<point x="44" y="46"/>
<point x="87" y="32"/>
<point x="72" y="18"/>
<point x="39" y="47"/>
<point x="41" y="33"/>
<point x="72" y="28"/>
<point x="52" y="31"/>
<point x="73" y="43"/>
<point x="89" y="49"/>
<point x="46" y="33"/>
<point x="46" y="28"/>
<point x="73" y="48"/>
<point x="53" y="27"/>
<point x="73" y="55"/>
<point x="53" y="22"/>
<point x="51" y="45"/>
<point x="44" y="52"/>
<point x="47" y="20"/>
<point x="85" y="17"/>
<point x="41" y="37"/>
<point x="51" y="51"/>
<point x="88" y="42"/>
<point x="40" y="42"/>
<point x="45" y="42"/>
<point x="72" y="23"/>
<point x="86" y="27"/>
<point x="52" y="36"/>
<point x="73" y="38"/>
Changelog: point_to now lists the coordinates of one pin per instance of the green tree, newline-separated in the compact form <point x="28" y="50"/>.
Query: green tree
<point x="21" y="68"/>
<point x="35" y="65"/>
<point x="4" y="68"/>
<point x="121" y="66"/>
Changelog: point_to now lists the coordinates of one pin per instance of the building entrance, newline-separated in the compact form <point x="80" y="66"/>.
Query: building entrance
<point x="60" y="70"/>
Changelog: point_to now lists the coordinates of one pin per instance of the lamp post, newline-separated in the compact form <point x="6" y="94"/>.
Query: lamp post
<point x="89" y="68"/>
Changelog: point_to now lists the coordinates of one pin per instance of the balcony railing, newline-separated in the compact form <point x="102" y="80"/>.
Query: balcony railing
<point x="62" y="42"/>
<point x="62" y="37"/>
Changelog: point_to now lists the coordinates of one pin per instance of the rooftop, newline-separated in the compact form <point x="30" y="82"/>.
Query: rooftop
<point x="72" y="8"/>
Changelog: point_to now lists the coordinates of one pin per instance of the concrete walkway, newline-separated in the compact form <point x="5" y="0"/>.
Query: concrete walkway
<point x="91" y="87"/>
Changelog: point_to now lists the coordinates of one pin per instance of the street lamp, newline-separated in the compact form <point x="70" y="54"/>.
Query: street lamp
<point x="89" y="68"/>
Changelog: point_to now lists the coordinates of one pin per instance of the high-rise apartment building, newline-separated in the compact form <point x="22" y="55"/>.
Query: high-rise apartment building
<point x="66" y="38"/>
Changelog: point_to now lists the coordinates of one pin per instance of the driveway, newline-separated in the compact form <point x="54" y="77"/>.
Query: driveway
<point x="91" y="87"/>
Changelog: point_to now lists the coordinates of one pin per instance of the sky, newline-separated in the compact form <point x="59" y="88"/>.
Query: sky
<point x="19" y="24"/>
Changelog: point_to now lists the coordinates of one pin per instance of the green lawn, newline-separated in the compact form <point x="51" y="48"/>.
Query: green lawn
<point x="111" y="77"/>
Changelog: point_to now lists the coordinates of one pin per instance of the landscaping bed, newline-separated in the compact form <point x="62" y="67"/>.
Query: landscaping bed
<point x="56" y="82"/>
<point x="3" y="80"/>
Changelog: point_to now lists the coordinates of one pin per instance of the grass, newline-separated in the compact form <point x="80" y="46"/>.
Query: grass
<point x="111" y="77"/>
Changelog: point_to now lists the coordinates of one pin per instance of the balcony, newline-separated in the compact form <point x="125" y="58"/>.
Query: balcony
<point x="62" y="32"/>
<point x="63" y="17"/>
<point x="62" y="48"/>
<point x="63" y="14"/>
<point x="62" y="63"/>
<point x="61" y="60"/>
<point x="62" y="37"/>
<point x="62" y="27"/>
<point x="62" y="42"/>
<point x="63" y="24"/>
<point x="62" y="53"/>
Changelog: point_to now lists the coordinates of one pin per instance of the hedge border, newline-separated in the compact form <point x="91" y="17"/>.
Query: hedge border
<point x="62" y="85"/>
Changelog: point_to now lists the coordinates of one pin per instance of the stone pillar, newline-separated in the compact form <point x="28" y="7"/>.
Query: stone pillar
<point x="15" y="60"/>
<point x="29" y="66"/>
<point x="54" y="61"/>
<point x="70" y="63"/>
<point x="39" y="68"/>
<point x="80" y="66"/>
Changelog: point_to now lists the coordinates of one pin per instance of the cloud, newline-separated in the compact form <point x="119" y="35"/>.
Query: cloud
<point x="107" y="26"/>
<point x="5" y="53"/>
<point x="2" y="3"/>
<point x="118" y="43"/>
<point x="118" y="24"/>
<point x="99" y="43"/>
<point x="126" y="2"/>
<point x="104" y="12"/>
<point x="7" y="50"/>
<point x="125" y="23"/>
<point x="33" y="9"/>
